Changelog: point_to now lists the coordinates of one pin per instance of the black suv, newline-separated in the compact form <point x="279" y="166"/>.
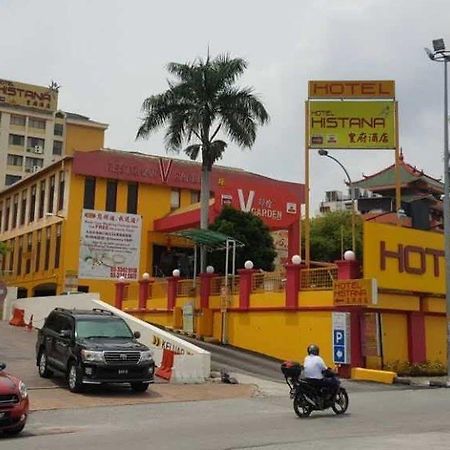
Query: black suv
<point x="92" y="347"/>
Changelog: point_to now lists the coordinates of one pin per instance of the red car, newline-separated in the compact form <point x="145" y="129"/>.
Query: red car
<point x="14" y="403"/>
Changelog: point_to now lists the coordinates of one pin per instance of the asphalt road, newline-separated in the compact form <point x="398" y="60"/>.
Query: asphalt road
<point x="410" y="419"/>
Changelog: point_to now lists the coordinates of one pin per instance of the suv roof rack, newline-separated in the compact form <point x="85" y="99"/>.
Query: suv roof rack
<point x="103" y="311"/>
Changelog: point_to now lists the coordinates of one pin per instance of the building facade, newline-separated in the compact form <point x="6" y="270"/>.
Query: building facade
<point x="34" y="133"/>
<point x="93" y="217"/>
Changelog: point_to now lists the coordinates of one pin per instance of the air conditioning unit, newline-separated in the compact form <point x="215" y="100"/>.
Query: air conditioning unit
<point x="28" y="169"/>
<point x="38" y="149"/>
<point x="35" y="168"/>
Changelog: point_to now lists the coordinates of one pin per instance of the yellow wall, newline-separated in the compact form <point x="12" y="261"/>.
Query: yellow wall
<point x="83" y="138"/>
<point x="394" y="337"/>
<point x="435" y="337"/>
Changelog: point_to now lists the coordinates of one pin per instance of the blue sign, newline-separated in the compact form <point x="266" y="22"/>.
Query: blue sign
<point x="338" y="337"/>
<point x="339" y="354"/>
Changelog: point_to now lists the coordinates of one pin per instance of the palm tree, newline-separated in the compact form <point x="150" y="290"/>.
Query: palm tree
<point x="203" y="102"/>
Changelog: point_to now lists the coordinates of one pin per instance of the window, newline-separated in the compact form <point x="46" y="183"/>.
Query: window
<point x="132" y="199"/>
<point x="174" y="199"/>
<point x="16" y="139"/>
<point x="19" y="256"/>
<point x="32" y="164"/>
<point x="51" y="194"/>
<point x="61" y="191"/>
<point x="41" y="199"/>
<point x="7" y="209"/>
<point x="48" y="234"/>
<point x="89" y="193"/>
<point x="38" y="250"/>
<point x="36" y="123"/>
<point x="23" y="207"/>
<point x="32" y="203"/>
<point x="59" y="129"/>
<point x="17" y="120"/>
<point x="195" y="196"/>
<point x="58" y="245"/>
<point x="15" y="211"/>
<point x="11" y="179"/>
<point x="111" y="195"/>
<point x="14" y="160"/>
<point x="11" y="255"/>
<point x="57" y="147"/>
<point x="28" y="255"/>
<point x="33" y="142"/>
<point x="4" y="261"/>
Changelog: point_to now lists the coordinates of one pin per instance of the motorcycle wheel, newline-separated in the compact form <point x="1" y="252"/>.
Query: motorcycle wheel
<point x="301" y="407"/>
<point x="340" y="404"/>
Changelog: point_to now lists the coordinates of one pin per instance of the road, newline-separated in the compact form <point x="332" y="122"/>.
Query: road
<point x="412" y="419"/>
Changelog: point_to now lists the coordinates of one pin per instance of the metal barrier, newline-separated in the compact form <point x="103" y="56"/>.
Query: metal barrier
<point x="318" y="279"/>
<point x="188" y="288"/>
<point x="159" y="289"/>
<point x="131" y="291"/>
<point x="217" y="283"/>
<point x="268" y="282"/>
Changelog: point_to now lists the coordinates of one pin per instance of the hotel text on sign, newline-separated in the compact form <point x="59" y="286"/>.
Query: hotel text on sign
<point x="354" y="292"/>
<point x="351" y="89"/>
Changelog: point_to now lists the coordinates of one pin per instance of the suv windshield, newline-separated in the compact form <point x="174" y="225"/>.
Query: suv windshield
<point x="102" y="328"/>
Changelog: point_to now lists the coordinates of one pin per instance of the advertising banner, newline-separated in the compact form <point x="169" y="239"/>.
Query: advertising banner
<point x="351" y="89"/>
<point x="404" y="258"/>
<point x="29" y="95"/>
<point x="352" y="125"/>
<point x="110" y="245"/>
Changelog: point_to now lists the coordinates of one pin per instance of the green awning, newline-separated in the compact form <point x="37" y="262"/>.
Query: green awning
<point x="213" y="240"/>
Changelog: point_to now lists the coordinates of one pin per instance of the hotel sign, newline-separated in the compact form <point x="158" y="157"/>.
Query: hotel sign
<point x="360" y="292"/>
<point x="382" y="89"/>
<point x="352" y="124"/>
<point x="28" y="95"/>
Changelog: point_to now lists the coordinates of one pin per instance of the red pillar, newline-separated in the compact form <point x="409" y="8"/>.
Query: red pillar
<point x="172" y="289"/>
<point x="144" y="292"/>
<point x="348" y="270"/>
<point x="245" y="287"/>
<point x="120" y="294"/>
<point x="416" y="337"/>
<point x="292" y="285"/>
<point x="205" y="289"/>
<point x="294" y="239"/>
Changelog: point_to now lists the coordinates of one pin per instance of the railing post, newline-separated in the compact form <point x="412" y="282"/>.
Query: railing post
<point x="205" y="289"/>
<point x="292" y="285"/>
<point x="348" y="270"/>
<point x="172" y="290"/>
<point x="245" y="287"/>
<point x="120" y="293"/>
<point x="144" y="291"/>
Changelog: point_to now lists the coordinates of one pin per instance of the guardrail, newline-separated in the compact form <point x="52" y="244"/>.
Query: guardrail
<point x="218" y="283"/>
<point x="268" y="282"/>
<point x="318" y="279"/>
<point x="159" y="289"/>
<point x="188" y="288"/>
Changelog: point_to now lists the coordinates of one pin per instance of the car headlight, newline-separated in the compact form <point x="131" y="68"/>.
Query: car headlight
<point x="23" y="390"/>
<point x="92" y="356"/>
<point x="146" y="356"/>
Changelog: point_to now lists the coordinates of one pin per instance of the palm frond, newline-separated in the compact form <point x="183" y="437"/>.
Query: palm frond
<point x="193" y="151"/>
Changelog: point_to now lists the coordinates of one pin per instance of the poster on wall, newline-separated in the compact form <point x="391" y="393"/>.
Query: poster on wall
<point x="109" y="245"/>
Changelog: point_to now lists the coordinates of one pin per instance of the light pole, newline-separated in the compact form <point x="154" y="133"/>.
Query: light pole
<point x="440" y="54"/>
<point x="323" y="152"/>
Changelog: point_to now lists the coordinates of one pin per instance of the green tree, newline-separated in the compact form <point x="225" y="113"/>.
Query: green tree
<point x="201" y="105"/>
<point x="251" y="231"/>
<point x="327" y="232"/>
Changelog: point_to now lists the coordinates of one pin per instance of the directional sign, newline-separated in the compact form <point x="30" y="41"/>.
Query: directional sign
<point x="341" y="340"/>
<point x="339" y="354"/>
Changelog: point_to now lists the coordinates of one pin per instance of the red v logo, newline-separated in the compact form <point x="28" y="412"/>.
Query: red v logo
<point x="164" y="169"/>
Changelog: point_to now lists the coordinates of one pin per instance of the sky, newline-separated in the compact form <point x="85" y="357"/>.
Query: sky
<point x="109" y="55"/>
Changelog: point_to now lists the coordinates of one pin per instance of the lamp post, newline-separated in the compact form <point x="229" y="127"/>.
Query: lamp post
<point x="323" y="152"/>
<point x="440" y="54"/>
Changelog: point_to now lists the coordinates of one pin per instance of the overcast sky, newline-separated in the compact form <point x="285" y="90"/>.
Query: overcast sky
<point x="109" y="55"/>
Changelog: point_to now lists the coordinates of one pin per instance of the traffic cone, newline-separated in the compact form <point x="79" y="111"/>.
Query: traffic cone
<point x="30" y="324"/>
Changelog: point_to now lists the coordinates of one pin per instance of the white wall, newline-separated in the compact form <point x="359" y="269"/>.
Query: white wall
<point x="191" y="363"/>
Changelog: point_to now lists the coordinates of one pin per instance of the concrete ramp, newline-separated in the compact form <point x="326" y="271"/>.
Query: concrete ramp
<point x="191" y="364"/>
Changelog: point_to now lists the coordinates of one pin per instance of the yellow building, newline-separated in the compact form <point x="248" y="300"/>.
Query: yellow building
<point x="34" y="133"/>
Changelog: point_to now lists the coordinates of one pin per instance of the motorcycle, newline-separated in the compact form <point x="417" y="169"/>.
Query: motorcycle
<point x="311" y="395"/>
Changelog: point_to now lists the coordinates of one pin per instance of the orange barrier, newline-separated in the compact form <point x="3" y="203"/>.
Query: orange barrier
<point x="165" y="370"/>
<point x="18" y="318"/>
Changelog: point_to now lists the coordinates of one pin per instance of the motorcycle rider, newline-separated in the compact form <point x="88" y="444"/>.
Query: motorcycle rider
<point x="315" y="368"/>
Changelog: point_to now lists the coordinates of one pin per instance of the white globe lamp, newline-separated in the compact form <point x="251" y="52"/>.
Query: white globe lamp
<point x="349" y="255"/>
<point x="248" y="265"/>
<point x="145" y="276"/>
<point x="176" y="273"/>
<point x="209" y="269"/>
<point x="296" y="259"/>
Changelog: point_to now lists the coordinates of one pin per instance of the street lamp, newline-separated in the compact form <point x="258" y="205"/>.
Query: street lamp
<point x="323" y="152"/>
<point x="440" y="54"/>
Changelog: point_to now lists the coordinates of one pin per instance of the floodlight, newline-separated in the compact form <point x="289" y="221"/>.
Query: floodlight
<point x="429" y="53"/>
<point x="438" y="45"/>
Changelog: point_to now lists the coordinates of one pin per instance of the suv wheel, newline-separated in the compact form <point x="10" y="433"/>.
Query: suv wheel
<point x="139" y="387"/>
<point x="44" y="372"/>
<point x="74" y="378"/>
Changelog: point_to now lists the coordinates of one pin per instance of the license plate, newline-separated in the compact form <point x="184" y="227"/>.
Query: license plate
<point x="123" y="371"/>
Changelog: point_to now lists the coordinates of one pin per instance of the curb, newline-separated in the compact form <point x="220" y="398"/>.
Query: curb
<point x="427" y="383"/>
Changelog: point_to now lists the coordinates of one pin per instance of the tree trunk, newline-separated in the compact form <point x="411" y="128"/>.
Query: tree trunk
<point x="204" y="210"/>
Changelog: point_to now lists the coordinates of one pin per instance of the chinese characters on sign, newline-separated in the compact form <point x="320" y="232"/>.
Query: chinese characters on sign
<point x="347" y="125"/>
<point x="110" y="245"/>
<point x="354" y="292"/>
<point x="28" y="95"/>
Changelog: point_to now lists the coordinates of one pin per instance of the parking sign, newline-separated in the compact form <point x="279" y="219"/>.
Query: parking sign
<point x="341" y="332"/>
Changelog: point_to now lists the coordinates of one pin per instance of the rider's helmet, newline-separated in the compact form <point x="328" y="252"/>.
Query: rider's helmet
<point x="313" y="349"/>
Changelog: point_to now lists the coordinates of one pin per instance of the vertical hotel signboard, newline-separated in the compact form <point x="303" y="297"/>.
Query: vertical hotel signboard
<point x="110" y="245"/>
<point x="349" y="115"/>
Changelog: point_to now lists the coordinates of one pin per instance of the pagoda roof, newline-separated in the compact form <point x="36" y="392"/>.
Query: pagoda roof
<point x="386" y="179"/>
